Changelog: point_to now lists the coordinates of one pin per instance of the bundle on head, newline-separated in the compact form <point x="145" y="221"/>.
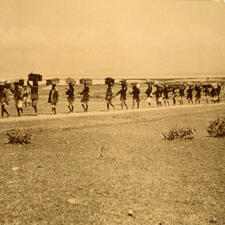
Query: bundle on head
<point x="86" y="81"/>
<point x="123" y="82"/>
<point x="207" y="86"/>
<point x="70" y="80"/>
<point x="134" y="84"/>
<point x="52" y="81"/>
<point x="109" y="81"/>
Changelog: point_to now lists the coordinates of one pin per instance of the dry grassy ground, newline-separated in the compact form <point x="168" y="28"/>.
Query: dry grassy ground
<point x="112" y="164"/>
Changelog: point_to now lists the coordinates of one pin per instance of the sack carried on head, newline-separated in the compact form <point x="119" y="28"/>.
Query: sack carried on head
<point x="70" y="80"/>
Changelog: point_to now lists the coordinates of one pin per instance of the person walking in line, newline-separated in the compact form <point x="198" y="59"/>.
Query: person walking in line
<point x="158" y="94"/>
<point x="85" y="97"/>
<point x="4" y="99"/>
<point x="18" y="97"/>
<point x="174" y="95"/>
<point x="34" y="94"/>
<point x="148" y="92"/>
<point x="53" y="97"/>
<point x="70" y="97"/>
<point x="109" y="97"/>
<point x="181" y="94"/>
<point x="214" y="96"/>
<point x="218" y="90"/>
<point x="166" y="96"/>
<point x="122" y="94"/>
<point x="198" y="94"/>
<point x="190" y="94"/>
<point x="135" y="95"/>
<point x="26" y="96"/>
<point x="207" y="93"/>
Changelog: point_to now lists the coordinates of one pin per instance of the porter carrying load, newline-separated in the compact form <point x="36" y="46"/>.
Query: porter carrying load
<point x="85" y="93"/>
<point x="70" y="93"/>
<point x="34" y="78"/>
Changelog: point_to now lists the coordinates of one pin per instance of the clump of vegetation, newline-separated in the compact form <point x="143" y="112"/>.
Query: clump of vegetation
<point x="216" y="128"/>
<point x="19" y="136"/>
<point x="179" y="133"/>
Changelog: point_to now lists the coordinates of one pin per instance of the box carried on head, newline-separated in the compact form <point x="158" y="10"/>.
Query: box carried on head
<point x="34" y="77"/>
<point x="19" y="82"/>
<point x="86" y="81"/>
<point x="52" y="81"/>
<point x="109" y="81"/>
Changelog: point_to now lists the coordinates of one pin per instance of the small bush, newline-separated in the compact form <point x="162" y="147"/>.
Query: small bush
<point x="19" y="136"/>
<point x="179" y="133"/>
<point x="216" y="128"/>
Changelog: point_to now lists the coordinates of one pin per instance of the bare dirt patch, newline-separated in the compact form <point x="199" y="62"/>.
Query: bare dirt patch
<point x="99" y="169"/>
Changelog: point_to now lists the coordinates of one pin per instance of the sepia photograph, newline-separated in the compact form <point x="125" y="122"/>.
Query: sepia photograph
<point x="112" y="112"/>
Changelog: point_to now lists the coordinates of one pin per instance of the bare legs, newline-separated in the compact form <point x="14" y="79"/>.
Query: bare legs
<point x="109" y="103"/>
<point x="4" y="111"/>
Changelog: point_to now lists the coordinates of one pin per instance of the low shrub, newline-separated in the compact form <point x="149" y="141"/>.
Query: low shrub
<point x="179" y="133"/>
<point x="19" y="136"/>
<point x="216" y="128"/>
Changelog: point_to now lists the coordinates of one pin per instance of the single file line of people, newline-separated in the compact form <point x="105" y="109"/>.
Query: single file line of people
<point x="28" y="94"/>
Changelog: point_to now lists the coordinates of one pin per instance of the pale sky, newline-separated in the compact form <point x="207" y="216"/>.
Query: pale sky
<point x="120" y="38"/>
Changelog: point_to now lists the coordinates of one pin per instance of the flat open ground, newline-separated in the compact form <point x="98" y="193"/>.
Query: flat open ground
<point x="112" y="163"/>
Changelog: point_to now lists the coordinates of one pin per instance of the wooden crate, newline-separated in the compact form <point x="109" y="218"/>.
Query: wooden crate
<point x="34" y="77"/>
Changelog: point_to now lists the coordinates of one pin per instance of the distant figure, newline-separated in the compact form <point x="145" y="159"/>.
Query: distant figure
<point x="26" y="96"/>
<point x="18" y="97"/>
<point x="174" y="95"/>
<point x="122" y="94"/>
<point x="207" y="93"/>
<point x="158" y="96"/>
<point x="4" y="100"/>
<point x="190" y="94"/>
<point x="135" y="95"/>
<point x="70" y="97"/>
<point x="181" y="95"/>
<point x="85" y="97"/>
<point x="148" y="92"/>
<point x="214" y="95"/>
<point x="33" y="94"/>
<point x="53" y="97"/>
<point x="218" y="90"/>
<point x="198" y="94"/>
<point x="109" y="96"/>
<point x="166" y="96"/>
